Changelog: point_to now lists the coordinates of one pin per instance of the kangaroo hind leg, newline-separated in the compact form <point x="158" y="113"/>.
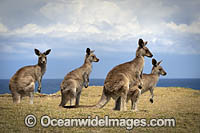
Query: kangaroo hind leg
<point x="16" y="97"/>
<point x="124" y="98"/>
<point x="64" y="98"/>
<point x="117" y="104"/>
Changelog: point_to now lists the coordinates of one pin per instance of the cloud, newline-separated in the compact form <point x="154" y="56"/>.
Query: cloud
<point x="105" y="19"/>
<point x="194" y="27"/>
<point x="90" y="17"/>
<point x="108" y="25"/>
<point x="3" y="28"/>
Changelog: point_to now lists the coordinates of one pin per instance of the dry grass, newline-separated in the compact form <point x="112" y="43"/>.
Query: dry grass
<point x="174" y="102"/>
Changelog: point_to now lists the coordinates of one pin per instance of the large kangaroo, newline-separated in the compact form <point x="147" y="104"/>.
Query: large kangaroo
<point x="123" y="77"/>
<point x="74" y="81"/>
<point x="23" y="81"/>
<point x="149" y="83"/>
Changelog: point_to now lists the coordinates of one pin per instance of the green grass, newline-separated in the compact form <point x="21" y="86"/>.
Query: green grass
<point x="180" y="103"/>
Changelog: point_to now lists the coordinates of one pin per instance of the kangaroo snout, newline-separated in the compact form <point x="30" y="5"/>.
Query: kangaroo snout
<point x="43" y="62"/>
<point x="97" y="60"/>
<point x="150" y="55"/>
<point x="164" y="74"/>
<point x="139" y="86"/>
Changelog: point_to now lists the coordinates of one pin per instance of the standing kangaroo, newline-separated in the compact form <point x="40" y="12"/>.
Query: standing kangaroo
<point x="149" y="83"/>
<point x="23" y="81"/>
<point x="74" y="81"/>
<point x="123" y="77"/>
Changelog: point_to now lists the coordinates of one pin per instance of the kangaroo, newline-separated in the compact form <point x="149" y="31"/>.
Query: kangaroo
<point x="149" y="83"/>
<point x="23" y="81"/>
<point x="123" y="77"/>
<point x="74" y="81"/>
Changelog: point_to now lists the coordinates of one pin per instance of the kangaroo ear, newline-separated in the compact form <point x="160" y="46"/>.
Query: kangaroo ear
<point x="141" y="43"/>
<point x="47" y="52"/>
<point x="92" y="51"/>
<point x="37" y="52"/>
<point x="88" y="51"/>
<point x="159" y="62"/>
<point x="145" y="43"/>
<point x="154" y="62"/>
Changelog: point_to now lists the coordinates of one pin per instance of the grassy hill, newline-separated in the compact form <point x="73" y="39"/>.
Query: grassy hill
<point x="173" y="102"/>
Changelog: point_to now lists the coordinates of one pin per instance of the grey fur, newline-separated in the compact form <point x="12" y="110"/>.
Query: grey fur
<point x="149" y="83"/>
<point x="74" y="81"/>
<point x="23" y="81"/>
<point x="123" y="77"/>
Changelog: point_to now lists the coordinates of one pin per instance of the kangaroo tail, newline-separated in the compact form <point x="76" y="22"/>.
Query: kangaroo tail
<point x="104" y="100"/>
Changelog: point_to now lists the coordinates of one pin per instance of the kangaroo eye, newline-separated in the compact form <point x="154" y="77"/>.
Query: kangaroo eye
<point x="160" y="69"/>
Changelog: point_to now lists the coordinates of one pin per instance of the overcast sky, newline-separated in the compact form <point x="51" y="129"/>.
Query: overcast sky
<point x="111" y="27"/>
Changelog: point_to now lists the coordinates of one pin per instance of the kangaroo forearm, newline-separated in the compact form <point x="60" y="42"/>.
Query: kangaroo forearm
<point x="88" y="79"/>
<point x="39" y="83"/>
<point x="139" y="77"/>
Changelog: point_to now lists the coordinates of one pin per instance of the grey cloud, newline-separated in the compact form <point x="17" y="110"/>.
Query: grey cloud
<point x="117" y="29"/>
<point x="15" y="14"/>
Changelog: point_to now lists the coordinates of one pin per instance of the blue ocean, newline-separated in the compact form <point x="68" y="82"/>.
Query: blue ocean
<point x="50" y="86"/>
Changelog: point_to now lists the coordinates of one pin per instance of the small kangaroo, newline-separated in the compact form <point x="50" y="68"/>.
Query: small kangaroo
<point x="74" y="81"/>
<point x="149" y="83"/>
<point x="23" y="81"/>
<point x="123" y="77"/>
